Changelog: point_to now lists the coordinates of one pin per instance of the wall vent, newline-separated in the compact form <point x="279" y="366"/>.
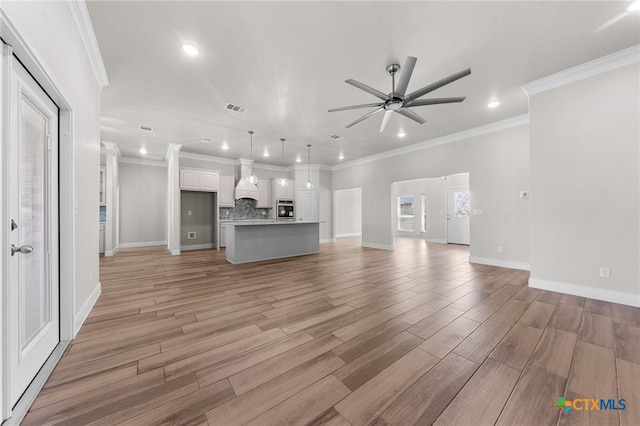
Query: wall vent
<point x="236" y="108"/>
<point x="145" y="129"/>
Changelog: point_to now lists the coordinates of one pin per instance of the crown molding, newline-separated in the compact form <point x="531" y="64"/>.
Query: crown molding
<point x="111" y="146"/>
<point x="209" y="158"/>
<point x="589" y="69"/>
<point x="85" y="28"/>
<point x="140" y="162"/>
<point x="519" y="120"/>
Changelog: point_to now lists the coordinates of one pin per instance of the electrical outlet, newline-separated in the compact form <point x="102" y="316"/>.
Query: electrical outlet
<point x="604" y="272"/>
<point x="499" y="249"/>
<point x="524" y="194"/>
<point x="191" y="235"/>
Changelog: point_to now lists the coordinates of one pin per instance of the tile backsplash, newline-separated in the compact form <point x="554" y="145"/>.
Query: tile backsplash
<point x="244" y="209"/>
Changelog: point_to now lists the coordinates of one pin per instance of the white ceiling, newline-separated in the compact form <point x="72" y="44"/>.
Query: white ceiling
<point x="287" y="61"/>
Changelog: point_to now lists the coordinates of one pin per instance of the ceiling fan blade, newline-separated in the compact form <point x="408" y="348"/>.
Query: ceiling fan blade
<point x="355" y="107"/>
<point x="438" y="84"/>
<point x="405" y="75"/>
<point x="368" y="89"/>
<point x="412" y="115"/>
<point x="434" y="101"/>
<point x="385" y="119"/>
<point x="364" y="117"/>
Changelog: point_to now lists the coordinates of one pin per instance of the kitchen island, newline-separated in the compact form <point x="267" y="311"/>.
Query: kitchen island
<point x="255" y="241"/>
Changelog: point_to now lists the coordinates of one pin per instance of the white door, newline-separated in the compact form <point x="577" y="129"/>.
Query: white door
<point x="33" y="303"/>
<point x="458" y="215"/>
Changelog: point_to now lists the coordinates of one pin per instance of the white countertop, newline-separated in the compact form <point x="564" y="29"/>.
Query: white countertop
<point x="255" y="222"/>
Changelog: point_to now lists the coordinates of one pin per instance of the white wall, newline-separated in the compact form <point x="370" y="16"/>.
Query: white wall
<point x="51" y="33"/>
<point x="347" y="212"/>
<point x="585" y="186"/>
<point x="143" y="219"/>
<point x="497" y="160"/>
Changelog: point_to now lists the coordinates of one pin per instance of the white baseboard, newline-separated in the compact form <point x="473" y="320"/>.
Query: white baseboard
<point x="377" y="246"/>
<point x="435" y="240"/>
<point x="109" y="253"/>
<point x="85" y="309"/>
<point x="623" y="298"/>
<point x="143" y="244"/>
<point x="173" y="251"/>
<point x="328" y="240"/>
<point x="196" y="247"/>
<point x="512" y="264"/>
<point x="352" y="234"/>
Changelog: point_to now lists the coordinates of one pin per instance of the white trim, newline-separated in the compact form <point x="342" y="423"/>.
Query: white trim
<point x="519" y="120"/>
<point x="112" y="146"/>
<point x="109" y="253"/>
<point x="174" y="252"/>
<point x="614" y="296"/>
<point x="349" y="234"/>
<point x="209" y="158"/>
<point x="141" y="162"/>
<point x="511" y="264"/>
<point x="377" y="246"/>
<point x="328" y="240"/>
<point x="589" y="69"/>
<point x="435" y="240"/>
<point x="312" y="166"/>
<point x="143" y="244"/>
<point x="82" y="314"/>
<point x="85" y="28"/>
<point x="197" y="247"/>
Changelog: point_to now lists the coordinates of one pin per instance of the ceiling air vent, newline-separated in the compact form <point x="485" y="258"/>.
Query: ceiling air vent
<point x="236" y="108"/>
<point x="145" y="129"/>
<point x="336" y="137"/>
<point x="206" y="140"/>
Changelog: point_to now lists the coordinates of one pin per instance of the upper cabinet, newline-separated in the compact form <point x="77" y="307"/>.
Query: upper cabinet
<point x="264" y="193"/>
<point x="199" y="180"/>
<point x="226" y="196"/>
<point x="103" y="186"/>
<point x="286" y="192"/>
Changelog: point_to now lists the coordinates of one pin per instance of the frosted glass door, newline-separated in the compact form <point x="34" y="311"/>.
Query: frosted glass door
<point x="458" y="211"/>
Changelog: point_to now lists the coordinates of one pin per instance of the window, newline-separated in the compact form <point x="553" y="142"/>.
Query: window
<point x="405" y="214"/>
<point x="423" y="207"/>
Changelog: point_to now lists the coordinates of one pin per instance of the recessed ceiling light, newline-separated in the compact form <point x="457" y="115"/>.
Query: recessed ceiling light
<point x="298" y="159"/>
<point x="225" y="145"/>
<point x="143" y="150"/>
<point x="265" y="153"/>
<point x="341" y="156"/>
<point x="493" y="104"/>
<point x="190" y="49"/>
<point x="634" y="6"/>
<point x="401" y="134"/>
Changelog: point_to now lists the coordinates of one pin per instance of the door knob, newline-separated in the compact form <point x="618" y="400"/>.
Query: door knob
<point x="13" y="225"/>
<point x="25" y="249"/>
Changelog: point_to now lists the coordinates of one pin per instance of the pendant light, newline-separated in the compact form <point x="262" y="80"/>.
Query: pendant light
<point x="308" y="186"/>
<point x="283" y="179"/>
<point x="252" y="178"/>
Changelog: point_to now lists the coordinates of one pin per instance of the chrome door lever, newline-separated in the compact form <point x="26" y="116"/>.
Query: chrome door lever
<point x="25" y="249"/>
<point x="13" y="225"/>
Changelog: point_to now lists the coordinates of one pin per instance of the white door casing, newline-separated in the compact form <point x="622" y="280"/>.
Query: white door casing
<point x="33" y="304"/>
<point x="458" y="212"/>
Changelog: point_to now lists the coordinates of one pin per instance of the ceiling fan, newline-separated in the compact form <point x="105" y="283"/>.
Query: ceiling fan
<point x="397" y="101"/>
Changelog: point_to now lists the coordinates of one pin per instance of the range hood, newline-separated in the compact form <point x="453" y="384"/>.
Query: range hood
<point x="244" y="188"/>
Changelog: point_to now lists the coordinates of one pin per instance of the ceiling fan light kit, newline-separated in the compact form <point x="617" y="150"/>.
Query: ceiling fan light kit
<point x="398" y="101"/>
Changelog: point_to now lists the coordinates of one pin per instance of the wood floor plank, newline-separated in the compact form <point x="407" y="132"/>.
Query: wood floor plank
<point x="423" y="402"/>
<point x="510" y="312"/>
<point x="304" y="406"/>
<point x="596" y="329"/>
<point x="481" y="400"/>
<point x="531" y="402"/>
<point x="598" y="307"/>
<point x="628" y="375"/>
<point x="566" y="317"/>
<point x="371" y="399"/>
<point x="273" y="367"/>
<point x="331" y="417"/>
<point x="482" y="341"/>
<point x="627" y="342"/>
<point x="517" y="346"/>
<point x="591" y="370"/>
<point x="443" y="342"/>
<point x="266" y="396"/>
<point x="435" y="322"/>
<point x="538" y="314"/>
<point x="626" y="314"/>
<point x="365" y="367"/>
<point x="370" y="340"/>
<point x="554" y="352"/>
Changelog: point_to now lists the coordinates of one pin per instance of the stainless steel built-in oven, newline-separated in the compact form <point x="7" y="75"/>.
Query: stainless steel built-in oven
<point x="285" y="210"/>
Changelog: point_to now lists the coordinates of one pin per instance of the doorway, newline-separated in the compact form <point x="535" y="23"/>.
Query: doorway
<point x="347" y="212"/>
<point x="33" y="301"/>
<point x="458" y="212"/>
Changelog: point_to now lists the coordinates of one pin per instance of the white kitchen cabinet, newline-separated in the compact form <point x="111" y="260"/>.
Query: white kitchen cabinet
<point x="307" y="207"/>
<point x="264" y="194"/>
<point x="103" y="186"/>
<point x="199" y="180"/>
<point x="223" y="235"/>
<point x="286" y="192"/>
<point x="227" y="191"/>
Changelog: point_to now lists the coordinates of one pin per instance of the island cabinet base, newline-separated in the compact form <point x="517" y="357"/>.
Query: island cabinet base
<point x="253" y="242"/>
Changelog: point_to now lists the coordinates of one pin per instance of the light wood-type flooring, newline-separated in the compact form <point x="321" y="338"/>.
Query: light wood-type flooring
<point x="351" y="336"/>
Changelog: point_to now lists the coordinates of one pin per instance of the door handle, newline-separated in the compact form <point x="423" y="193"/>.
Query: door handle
<point x="25" y="249"/>
<point x="14" y="226"/>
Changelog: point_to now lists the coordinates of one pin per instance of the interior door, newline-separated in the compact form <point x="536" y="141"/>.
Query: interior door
<point x="33" y="303"/>
<point x="458" y="212"/>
